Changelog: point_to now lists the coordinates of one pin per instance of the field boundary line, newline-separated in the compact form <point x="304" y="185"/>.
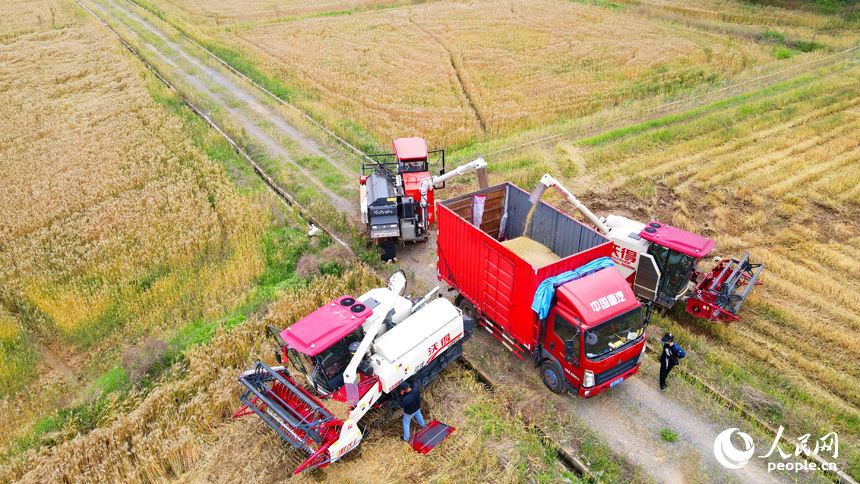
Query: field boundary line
<point x="276" y="189"/>
<point x="837" y="475"/>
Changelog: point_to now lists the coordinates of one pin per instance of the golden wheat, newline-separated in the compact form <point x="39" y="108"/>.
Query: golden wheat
<point x="113" y="224"/>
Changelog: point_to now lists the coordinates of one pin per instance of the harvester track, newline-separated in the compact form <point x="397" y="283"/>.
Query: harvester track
<point x="385" y="417"/>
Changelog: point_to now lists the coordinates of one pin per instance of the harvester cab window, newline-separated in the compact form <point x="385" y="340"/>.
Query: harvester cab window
<point x="300" y="362"/>
<point x="614" y="334"/>
<point x="335" y="358"/>
<point x="413" y="166"/>
<point x="675" y="267"/>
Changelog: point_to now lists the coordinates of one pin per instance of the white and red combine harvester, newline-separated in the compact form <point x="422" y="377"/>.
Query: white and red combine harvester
<point x="354" y="352"/>
<point x="396" y="189"/>
<point x="660" y="262"/>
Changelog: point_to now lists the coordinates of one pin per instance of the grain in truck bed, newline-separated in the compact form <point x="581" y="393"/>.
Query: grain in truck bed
<point x="533" y="252"/>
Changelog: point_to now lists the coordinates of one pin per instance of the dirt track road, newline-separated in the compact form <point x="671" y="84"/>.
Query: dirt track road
<point x="629" y="417"/>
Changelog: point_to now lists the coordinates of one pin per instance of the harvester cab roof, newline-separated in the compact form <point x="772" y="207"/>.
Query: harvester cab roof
<point x="676" y="253"/>
<point x="411" y="154"/>
<point x="319" y="343"/>
<point x="679" y="240"/>
<point x="327" y="325"/>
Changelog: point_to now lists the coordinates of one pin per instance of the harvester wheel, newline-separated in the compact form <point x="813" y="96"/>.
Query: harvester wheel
<point x="552" y="377"/>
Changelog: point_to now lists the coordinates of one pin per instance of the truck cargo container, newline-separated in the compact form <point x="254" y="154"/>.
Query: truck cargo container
<point x="593" y="335"/>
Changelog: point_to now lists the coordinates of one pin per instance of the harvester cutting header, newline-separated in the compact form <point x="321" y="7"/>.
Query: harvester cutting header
<point x="660" y="261"/>
<point x="396" y="189"/>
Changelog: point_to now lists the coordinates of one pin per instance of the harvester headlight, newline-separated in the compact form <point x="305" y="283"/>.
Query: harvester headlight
<point x="588" y="380"/>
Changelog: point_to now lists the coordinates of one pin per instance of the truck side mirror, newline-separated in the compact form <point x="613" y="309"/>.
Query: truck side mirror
<point x="568" y="351"/>
<point x="648" y="310"/>
<point x="571" y="350"/>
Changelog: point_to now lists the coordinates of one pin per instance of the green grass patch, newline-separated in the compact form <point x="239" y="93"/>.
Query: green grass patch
<point x="785" y="46"/>
<point x="19" y="355"/>
<point x="668" y="435"/>
<point x="599" y="3"/>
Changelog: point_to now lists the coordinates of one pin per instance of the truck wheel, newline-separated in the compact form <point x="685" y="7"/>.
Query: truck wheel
<point x="468" y="309"/>
<point x="552" y="378"/>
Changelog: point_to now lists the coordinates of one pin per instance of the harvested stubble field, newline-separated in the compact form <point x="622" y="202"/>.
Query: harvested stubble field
<point x="776" y="173"/>
<point x="179" y="430"/>
<point x="455" y="72"/>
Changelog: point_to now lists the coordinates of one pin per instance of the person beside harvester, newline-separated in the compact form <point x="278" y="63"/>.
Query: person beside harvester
<point x="669" y="358"/>
<point x="389" y="252"/>
<point x="410" y="400"/>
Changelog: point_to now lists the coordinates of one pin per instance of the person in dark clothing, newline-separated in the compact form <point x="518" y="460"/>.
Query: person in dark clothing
<point x="389" y="253"/>
<point x="410" y="400"/>
<point x="669" y="358"/>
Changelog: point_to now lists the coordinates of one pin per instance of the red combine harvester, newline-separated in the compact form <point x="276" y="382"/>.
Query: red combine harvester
<point x="353" y="353"/>
<point x="573" y="314"/>
<point x="660" y="263"/>
<point x="396" y="189"/>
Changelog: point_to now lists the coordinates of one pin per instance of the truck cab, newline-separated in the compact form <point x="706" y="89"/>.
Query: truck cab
<point x="595" y="334"/>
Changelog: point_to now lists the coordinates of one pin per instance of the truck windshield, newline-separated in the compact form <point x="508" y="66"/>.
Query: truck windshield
<point x="613" y="334"/>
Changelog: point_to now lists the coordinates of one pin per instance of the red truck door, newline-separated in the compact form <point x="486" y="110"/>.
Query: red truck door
<point x="498" y="287"/>
<point x="561" y="333"/>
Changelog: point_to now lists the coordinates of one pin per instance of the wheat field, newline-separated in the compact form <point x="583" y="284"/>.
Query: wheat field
<point x="230" y="12"/>
<point x="114" y="226"/>
<point x="458" y="72"/>
<point x="775" y="173"/>
<point x="455" y="72"/>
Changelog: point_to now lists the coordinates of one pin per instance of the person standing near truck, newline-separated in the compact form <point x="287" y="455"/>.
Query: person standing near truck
<point x="410" y="400"/>
<point x="669" y="358"/>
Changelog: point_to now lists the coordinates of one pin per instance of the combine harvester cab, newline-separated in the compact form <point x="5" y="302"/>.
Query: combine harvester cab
<point x="543" y="284"/>
<point x="352" y="354"/>
<point x="661" y="263"/>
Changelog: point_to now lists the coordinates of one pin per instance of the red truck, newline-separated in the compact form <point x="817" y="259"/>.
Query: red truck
<point x="592" y="335"/>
